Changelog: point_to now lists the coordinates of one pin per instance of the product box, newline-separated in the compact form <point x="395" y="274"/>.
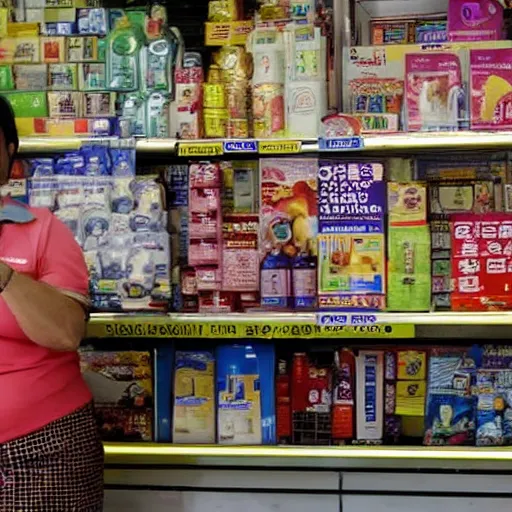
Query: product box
<point x="240" y="255"/>
<point x="491" y="89"/>
<point x="344" y="394"/>
<point x="53" y="49"/>
<point x="288" y="226"/>
<point x="65" y="104"/>
<point x="194" y="398"/>
<point x="66" y="127"/>
<point x="92" y="21"/>
<point x="409" y="277"/>
<point x="30" y="77"/>
<point x="434" y="94"/>
<point x="6" y="78"/>
<point x="28" y="104"/>
<point x="450" y="410"/>
<point x="481" y="262"/>
<point x="99" y="104"/>
<point x="61" y="15"/>
<point x="245" y="394"/>
<point x="92" y="77"/>
<point x="62" y="77"/>
<point x="407" y="204"/>
<point x="475" y="21"/>
<point x="370" y="396"/>
<point x="82" y="49"/>
<point x="19" y="50"/>
<point x="122" y="387"/>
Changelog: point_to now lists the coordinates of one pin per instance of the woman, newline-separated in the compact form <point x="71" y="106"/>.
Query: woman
<point x="51" y="458"/>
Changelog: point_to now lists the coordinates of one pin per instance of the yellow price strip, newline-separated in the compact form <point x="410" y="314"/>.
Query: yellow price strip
<point x="200" y="149"/>
<point x="171" y="328"/>
<point x="279" y="147"/>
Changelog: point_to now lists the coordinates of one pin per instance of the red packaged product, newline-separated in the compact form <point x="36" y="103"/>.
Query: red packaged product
<point x="343" y="395"/>
<point x="482" y="262"/>
<point x="300" y="382"/>
<point x="283" y="403"/>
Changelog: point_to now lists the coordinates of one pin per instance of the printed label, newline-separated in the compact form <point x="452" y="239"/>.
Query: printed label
<point x="200" y="149"/>
<point x="282" y="147"/>
<point x="341" y="144"/>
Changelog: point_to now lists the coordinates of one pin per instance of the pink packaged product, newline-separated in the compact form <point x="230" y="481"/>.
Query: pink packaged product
<point x="189" y="102"/>
<point x="216" y="302"/>
<point x="240" y="257"/>
<point x="208" y="278"/>
<point x="204" y="175"/>
<point x="475" y="20"/>
<point x="203" y="252"/>
<point x="491" y="89"/>
<point x="434" y="96"/>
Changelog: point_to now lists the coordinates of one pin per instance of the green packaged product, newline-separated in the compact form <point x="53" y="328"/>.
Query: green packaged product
<point x="28" y="104"/>
<point x="409" y="269"/>
<point x="6" y="78"/>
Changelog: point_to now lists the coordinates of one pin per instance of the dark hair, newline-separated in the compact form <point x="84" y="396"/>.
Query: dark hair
<point x="8" y="127"/>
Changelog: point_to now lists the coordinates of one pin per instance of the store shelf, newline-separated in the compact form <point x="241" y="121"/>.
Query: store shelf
<point x="372" y="143"/>
<point x="268" y="325"/>
<point x="352" y="457"/>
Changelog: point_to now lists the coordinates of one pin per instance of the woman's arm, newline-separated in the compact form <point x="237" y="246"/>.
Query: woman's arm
<point x="47" y="316"/>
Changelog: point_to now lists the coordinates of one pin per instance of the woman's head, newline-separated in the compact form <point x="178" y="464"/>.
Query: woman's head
<point x="8" y="140"/>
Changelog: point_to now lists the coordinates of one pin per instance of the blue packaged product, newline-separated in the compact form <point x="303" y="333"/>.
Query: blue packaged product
<point x="96" y="160"/>
<point x="60" y="28"/>
<point x="176" y="178"/>
<point x="71" y="164"/>
<point x="450" y="410"/>
<point x="123" y="161"/>
<point x="245" y="394"/>
<point x="40" y="167"/>
<point x="92" y="21"/>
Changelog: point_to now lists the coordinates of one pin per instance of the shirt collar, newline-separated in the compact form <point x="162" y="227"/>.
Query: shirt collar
<point x="14" y="212"/>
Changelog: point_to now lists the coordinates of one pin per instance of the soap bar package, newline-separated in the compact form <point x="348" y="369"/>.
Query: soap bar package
<point x="53" y="49"/>
<point x="370" y="395"/>
<point x="62" y="77"/>
<point x="122" y="387"/>
<point x="245" y="394"/>
<point x="409" y="274"/>
<point x="194" y="398"/>
<point x="65" y="104"/>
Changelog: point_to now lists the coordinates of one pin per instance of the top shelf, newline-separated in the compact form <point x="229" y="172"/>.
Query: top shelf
<point x="399" y="142"/>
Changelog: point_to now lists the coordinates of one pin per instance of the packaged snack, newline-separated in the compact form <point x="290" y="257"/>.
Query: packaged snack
<point x="409" y="280"/>
<point x="268" y="111"/>
<point x="215" y="123"/>
<point x="475" y="21"/>
<point x="491" y="89"/>
<point x="434" y="96"/>
<point x="194" y="398"/>
<point x="288" y="224"/>
<point x="450" y="411"/>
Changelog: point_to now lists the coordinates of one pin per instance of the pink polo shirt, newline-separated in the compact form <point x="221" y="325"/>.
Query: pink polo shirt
<point x="38" y="385"/>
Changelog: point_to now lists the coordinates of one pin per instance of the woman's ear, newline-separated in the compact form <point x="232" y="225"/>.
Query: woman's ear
<point x="11" y="148"/>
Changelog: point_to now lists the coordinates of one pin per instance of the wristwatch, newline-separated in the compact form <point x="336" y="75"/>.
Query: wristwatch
<point x="6" y="274"/>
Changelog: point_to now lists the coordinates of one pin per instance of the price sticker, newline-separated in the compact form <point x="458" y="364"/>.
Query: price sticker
<point x="240" y="146"/>
<point x="343" y="319"/>
<point x="200" y="149"/>
<point x="279" y="147"/>
<point x="341" y="144"/>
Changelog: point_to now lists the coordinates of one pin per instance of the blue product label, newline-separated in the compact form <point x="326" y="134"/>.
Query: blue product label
<point x="370" y="389"/>
<point x="240" y="146"/>
<point x="341" y="144"/>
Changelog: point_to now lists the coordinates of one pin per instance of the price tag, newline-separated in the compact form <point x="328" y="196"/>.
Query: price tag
<point x="341" y="144"/>
<point x="240" y="146"/>
<point x="200" y="149"/>
<point x="279" y="147"/>
<point x="343" y="319"/>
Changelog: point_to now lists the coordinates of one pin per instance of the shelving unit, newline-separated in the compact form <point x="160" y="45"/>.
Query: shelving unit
<point x="417" y="142"/>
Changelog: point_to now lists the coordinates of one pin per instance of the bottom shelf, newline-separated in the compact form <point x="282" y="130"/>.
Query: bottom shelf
<point x="348" y="458"/>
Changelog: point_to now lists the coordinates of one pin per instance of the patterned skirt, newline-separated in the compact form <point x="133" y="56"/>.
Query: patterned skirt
<point x="56" y="469"/>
